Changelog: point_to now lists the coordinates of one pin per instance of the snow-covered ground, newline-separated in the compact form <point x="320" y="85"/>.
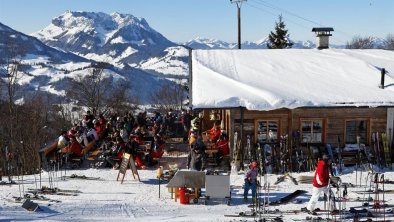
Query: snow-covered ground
<point x="109" y="200"/>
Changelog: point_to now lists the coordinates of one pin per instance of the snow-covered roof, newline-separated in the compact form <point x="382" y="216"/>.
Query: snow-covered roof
<point x="291" y="78"/>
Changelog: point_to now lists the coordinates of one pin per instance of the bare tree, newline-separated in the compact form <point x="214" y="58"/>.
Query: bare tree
<point x="360" y="43"/>
<point x="97" y="92"/>
<point x="389" y="44"/>
<point x="169" y="96"/>
<point x="10" y="63"/>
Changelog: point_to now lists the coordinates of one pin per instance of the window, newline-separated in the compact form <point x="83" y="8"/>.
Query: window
<point x="267" y="131"/>
<point x="312" y="131"/>
<point x="356" y="128"/>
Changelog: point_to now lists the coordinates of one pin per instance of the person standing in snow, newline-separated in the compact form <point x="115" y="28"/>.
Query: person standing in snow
<point x="197" y="157"/>
<point x="320" y="182"/>
<point x="251" y="181"/>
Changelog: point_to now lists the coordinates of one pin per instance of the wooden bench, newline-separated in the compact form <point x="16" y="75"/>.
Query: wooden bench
<point x="76" y="162"/>
<point x="88" y="147"/>
<point x="93" y="155"/>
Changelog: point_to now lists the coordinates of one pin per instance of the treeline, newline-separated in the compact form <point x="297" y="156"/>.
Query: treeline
<point x="369" y="42"/>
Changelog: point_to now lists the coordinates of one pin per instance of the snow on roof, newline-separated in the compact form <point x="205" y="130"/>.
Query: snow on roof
<point x="272" y="79"/>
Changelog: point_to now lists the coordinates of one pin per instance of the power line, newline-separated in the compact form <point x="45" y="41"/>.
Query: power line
<point x="298" y="16"/>
<point x="262" y="2"/>
<point x="274" y="14"/>
<point x="268" y="5"/>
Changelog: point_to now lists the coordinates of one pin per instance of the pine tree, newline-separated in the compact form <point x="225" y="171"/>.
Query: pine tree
<point x="279" y="39"/>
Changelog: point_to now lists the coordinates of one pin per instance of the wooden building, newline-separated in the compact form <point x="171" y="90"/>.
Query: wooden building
<point x="314" y="97"/>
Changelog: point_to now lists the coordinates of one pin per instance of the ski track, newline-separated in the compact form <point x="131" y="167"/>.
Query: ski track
<point x="135" y="201"/>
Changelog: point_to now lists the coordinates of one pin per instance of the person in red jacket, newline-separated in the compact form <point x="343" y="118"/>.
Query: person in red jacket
<point x="222" y="146"/>
<point x="214" y="132"/>
<point x="74" y="149"/>
<point x="320" y="182"/>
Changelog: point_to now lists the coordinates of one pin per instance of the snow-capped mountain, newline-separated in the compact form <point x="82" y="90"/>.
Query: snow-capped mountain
<point x="116" y="38"/>
<point x="31" y="47"/>
<point x="47" y="69"/>
<point x="173" y="65"/>
<point x="203" y="43"/>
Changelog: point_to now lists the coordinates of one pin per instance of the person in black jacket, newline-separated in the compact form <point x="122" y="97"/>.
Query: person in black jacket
<point x="197" y="156"/>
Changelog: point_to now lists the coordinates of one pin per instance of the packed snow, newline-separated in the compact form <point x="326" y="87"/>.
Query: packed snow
<point x="291" y="78"/>
<point x="108" y="199"/>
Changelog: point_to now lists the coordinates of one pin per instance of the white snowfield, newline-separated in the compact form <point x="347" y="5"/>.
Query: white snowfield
<point x="291" y="78"/>
<point x="109" y="200"/>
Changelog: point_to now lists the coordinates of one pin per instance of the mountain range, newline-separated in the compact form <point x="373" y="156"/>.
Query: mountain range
<point x="73" y="41"/>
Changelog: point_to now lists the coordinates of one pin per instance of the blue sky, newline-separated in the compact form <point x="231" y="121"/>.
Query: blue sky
<point x="182" y="20"/>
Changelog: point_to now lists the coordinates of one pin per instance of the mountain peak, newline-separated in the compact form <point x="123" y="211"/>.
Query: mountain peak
<point x="114" y="37"/>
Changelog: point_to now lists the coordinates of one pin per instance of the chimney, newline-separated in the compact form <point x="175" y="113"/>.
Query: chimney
<point x="322" y="37"/>
<point x="383" y="72"/>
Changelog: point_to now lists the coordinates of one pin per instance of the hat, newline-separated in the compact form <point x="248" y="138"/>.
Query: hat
<point x="253" y="165"/>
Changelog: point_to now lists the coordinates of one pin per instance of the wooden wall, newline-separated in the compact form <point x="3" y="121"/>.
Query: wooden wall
<point x="289" y="120"/>
<point x="335" y="119"/>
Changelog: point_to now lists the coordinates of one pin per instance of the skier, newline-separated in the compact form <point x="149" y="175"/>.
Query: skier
<point x="251" y="181"/>
<point x="320" y="182"/>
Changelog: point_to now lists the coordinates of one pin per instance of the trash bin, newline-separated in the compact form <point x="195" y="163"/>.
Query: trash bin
<point x="183" y="196"/>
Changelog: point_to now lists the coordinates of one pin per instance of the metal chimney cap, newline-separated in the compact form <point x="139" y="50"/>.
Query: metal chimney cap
<point x="323" y="29"/>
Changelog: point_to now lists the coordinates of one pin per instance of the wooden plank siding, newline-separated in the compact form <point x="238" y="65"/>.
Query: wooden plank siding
<point x="334" y="121"/>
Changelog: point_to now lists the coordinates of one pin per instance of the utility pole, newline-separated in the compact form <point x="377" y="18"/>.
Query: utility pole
<point x="239" y="4"/>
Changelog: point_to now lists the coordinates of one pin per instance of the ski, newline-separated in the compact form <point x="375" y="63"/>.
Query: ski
<point x="386" y="150"/>
<point x="53" y="190"/>
<point x="288" y="198"/>
<point x="36" y="198"/>
<point x="374" y="192"/>
<point x="252" y="214"/>
<point x="82" y="177"/>
<point x="315" y="218"/>
<point x="283" y="177"/>
<point x="8" y="183"/>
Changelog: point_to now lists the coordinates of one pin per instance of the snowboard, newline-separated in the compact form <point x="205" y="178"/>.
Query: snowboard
<point x="288" y="198"/>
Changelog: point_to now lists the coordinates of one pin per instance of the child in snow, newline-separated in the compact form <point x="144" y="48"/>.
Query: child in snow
<point x="251" y="181"/>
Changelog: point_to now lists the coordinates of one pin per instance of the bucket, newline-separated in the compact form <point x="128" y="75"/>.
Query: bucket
<point x="183" y="197"/>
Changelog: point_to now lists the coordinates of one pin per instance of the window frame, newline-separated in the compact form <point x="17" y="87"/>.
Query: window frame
<point x="312" y="120"/>
<point x="267" y="120"/>
<point x="367" y="130"/>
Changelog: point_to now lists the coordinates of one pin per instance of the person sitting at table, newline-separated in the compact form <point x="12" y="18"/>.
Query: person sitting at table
<point x="74" y="149"/>
<point x="214" y="132"/>
<point x="156" y="151"/>
<point x="135" y="142"/>
<point x="222" y="146"/>
<point x="116" y="152"/>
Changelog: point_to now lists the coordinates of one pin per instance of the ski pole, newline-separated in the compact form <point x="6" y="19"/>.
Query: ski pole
<point x="384" y="205"/>
<point x="366" y="186"/>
